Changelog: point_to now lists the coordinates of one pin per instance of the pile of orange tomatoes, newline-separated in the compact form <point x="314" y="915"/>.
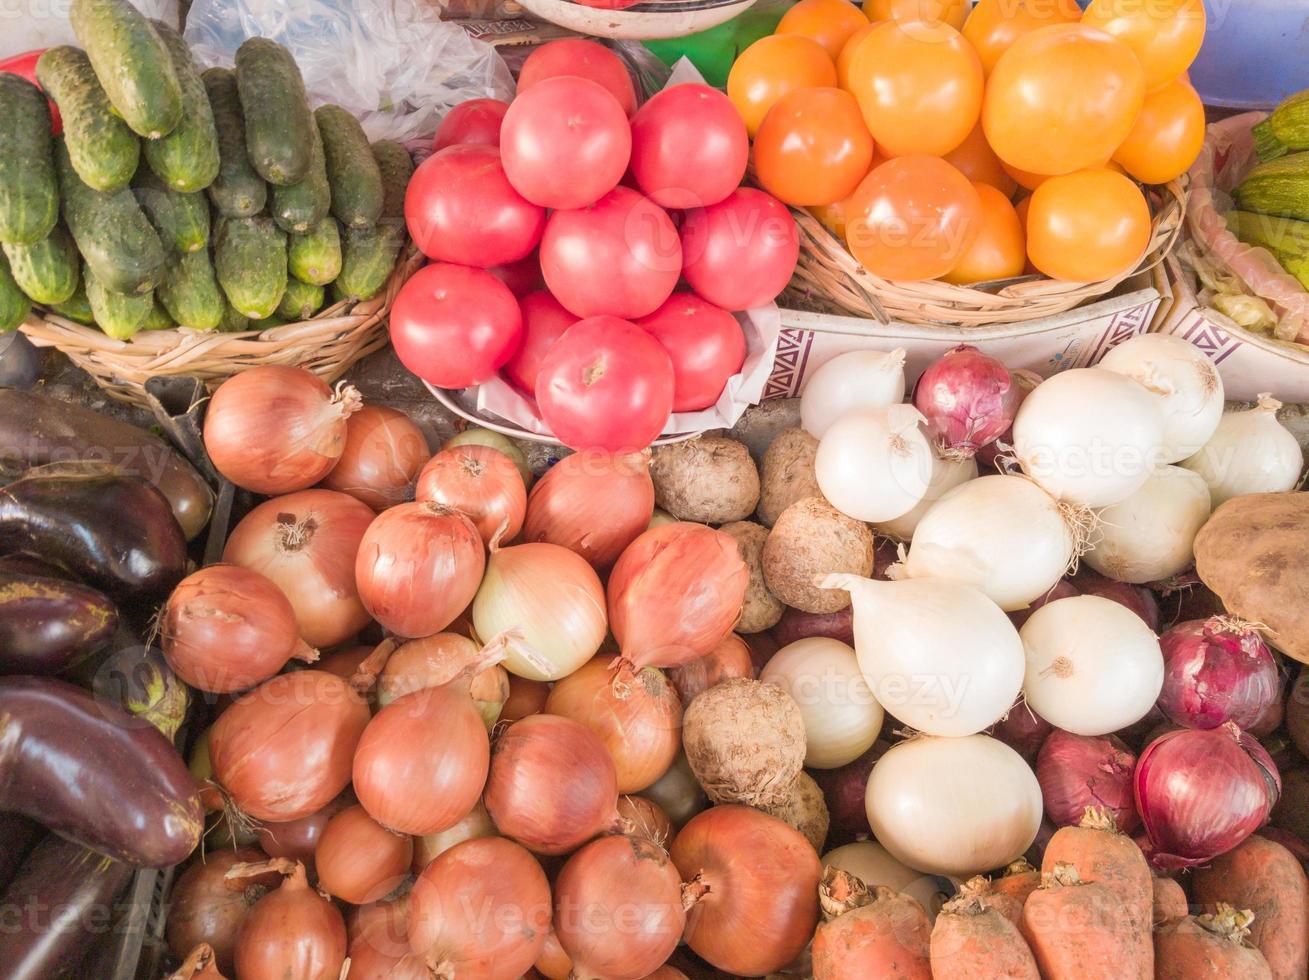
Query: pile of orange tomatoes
<point x="970" y="146"/>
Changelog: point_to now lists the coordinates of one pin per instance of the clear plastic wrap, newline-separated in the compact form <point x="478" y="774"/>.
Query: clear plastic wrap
<point x="44" y="23"/>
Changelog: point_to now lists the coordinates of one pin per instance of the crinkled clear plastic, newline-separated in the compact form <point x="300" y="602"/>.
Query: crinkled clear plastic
<point x="36" y="24"/>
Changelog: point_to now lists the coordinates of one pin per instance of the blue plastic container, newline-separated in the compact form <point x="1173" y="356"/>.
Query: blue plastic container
<point x="1256" y="52"/>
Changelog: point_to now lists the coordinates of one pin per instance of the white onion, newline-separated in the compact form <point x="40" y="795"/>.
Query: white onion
<point x="841" y="717"/>
<point x="953" y="806"/>
<point x="947" y="473"/>
<point x="872" y="864"/>
<point x="1003" y="535"/>
<point x="1150" y="536"/>
<point x="1181" y="379"/>
<point x="848" y="383"/>
<point x="1089" y="436"/>
<point x="938" y="655"/>
<point x="875" y="465"/>
<point x="1093" y="666"/>
<point x="1251" y="452"/>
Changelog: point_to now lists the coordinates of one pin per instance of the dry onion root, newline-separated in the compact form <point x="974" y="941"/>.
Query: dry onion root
<point x="812" y="538"/>
<point x="710" y="480"/>
<point x="199" y="964"/>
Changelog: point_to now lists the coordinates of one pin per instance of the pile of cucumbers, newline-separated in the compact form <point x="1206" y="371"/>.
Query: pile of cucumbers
<point x="213" y="200"/>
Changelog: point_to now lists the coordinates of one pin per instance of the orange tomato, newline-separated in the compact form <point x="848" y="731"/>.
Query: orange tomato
<point x="993" y="25"/>
<point x="773" y="66"/>
<point x="831" y="216"/>
<point x="975" y="159"/>
<point x="1000" y="250"/>
<point x="829" y="22"/>
<point x="1087" y="226"/>
<point x="918" y="95"/>
<point x="1167" y="137"/>
<point x="847" y="55"/>
<point x="1024" y="178"/>
<point x="812" y="147"/>
<point x="1165" y="34"/>
<point x="1062" y="99"/>
<point x="912" y="218"/>
<point x="952" y="13"/>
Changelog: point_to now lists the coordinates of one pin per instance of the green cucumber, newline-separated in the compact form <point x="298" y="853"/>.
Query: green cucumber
<point x="77" y="307"/>
<point x="367" y="257"/>
<point x="315" y="256"/>
<point x="301" y="300"/>
<point x="111" y="231"/>
<point x="250" y="260"/>
<point x="158" y="318"/>
<point x="190" y="292"/>
<point x="14" y="304"/>
<point x="104" y="150"/>
<point x="187" y="158"/>
<point x="232" y="321"/>
<point x="396" y="167"/>
<point x="279" y="128"/>
<point x="181" y="219"/>
<point x="132" y="63"/>
<point x="298" y="207"/>
<point x="238" y="191"/>
<point x="29" y="190"/>
<point x="352" y="170"/>
<point x="117" y="314"/>
<point x="47" y="271"/>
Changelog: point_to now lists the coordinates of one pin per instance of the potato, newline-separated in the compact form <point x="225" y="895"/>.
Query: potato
<point x="805" y="810"/>
<point x="709" y="480"/>
<point x="812" y="539"/>
<point x="788" y="474"/>
<point x="1252" y="554"/>
<point x="762" y="609"/>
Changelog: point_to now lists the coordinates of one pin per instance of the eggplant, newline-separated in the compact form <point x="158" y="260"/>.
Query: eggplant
<point x="94" y="774"/>
<point x="114" y="532"/>
<point x="18" y="835"/>
<point x="36" y="429"/>
<point x="28" y="565"/>
<point x="139" y="680"/>
<point x="47" y="625"/>
<point x="59" y="905"/>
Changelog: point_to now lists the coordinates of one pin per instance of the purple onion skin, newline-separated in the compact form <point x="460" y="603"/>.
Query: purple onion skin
<point x="969" y="398"/>
<point x="1063" y="589"/>
<point x="844" y="790"/>
<point x="796" y="625"/>
<point x="1023" y="730"/>
<point x="1135" y="597"/>
<point x="1214" y="673"/>
<point x="1145" y="731"/>
<point x="1077" y="771"/>
<point x="1201" y="792"/>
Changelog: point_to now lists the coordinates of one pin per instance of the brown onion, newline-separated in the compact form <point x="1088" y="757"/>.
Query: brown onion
<point x="754" y="884"/>
<point x="618" y="908"/>
<point x="383" y="453"/>
<point x="678" y="793"/>
<point x="204" y="908"/>
<point x="440" y="659"/>
<point x="306" y="543"/>
<point x="283" y="751"/>
<point x="291" y="932"/>
<point x="675" y="594"/>
<point x="344" y="663"/>
<point x="422" y="761"/>
<point x="552" y="784"/>
<point x="640" y="817"/>
<point x="298" y="839"/>
<point x="359" y="860"/>
<point x="200" y="964"/>
<point x="480" y="482"/>
<point x="474" y="824"/>
<point x="276" y="429"/>
<point x="418" y="568"/>
<point x="481" y="909"/>
<point x="526" y="697"/>
<point x="731" y="658"/>
<point x="383" y="926"/>
<point x="641" y="729"/>
<point x="593" y="503"/>
<point x="226" y="628"/>
<point x="553" y="963"/>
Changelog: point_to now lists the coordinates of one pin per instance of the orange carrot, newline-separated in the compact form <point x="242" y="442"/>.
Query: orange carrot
<point x="1169" y="901"/>
<point x="972" y="937"/>
<point x="1076" y="930"/>
<point x="1019" y="880"/>
<point x="869" y="932"/>
<point x="1265" y="878"/>
<point x="1194" y="947"/>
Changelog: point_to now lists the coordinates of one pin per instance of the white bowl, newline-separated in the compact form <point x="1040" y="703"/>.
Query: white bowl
<point x="652" y="20"/>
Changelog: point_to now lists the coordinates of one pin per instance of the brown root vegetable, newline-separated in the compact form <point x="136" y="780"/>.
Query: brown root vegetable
<point x="812" y="539"/>
<point x="710" y="480"/>
<point x="1297" y="712"/>
<point x="1019" y="880"/>
<point x="981" y="891"/>
<point x="1169" y="901"/>
<point x="1251" y="553"/>
<point x="762" y="609"/>
<point x="787" y="474"/>
<point x="973" y="937"/>
<point x="805" y="810"/>
<point x="745" y="742"/>
<point x="1075" y="930"/>
<point x="1291" y="812"/>
<point x="1208" y="946"/>
<point x="869" y="932"/>
<point x="1264" y="877"/>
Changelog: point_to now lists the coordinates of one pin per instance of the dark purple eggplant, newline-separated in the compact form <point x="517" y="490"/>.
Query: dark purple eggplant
<point x="116" y="533"/>
<point x="93" y="773"/>
<point x="60" y="904"/>
<point x="36" y="429"/>
<point x="18" y="835"/>
<point x="139" y="680"/>
<point x="47" y="625"/>
<point x="28" y="565"/>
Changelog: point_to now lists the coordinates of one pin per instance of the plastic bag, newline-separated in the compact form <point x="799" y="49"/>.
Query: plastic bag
<point x="44" y="23"/>
<point x="393" y="63"/>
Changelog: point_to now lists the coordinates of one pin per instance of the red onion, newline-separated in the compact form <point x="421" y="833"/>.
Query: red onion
<point x="1138" y="736"/>
<point x="1063" y="589"/>
<point x="1201" y="792"/>
<point x="1135" y="597"/>
<point x="1023" y="730"/>
<point x="1025" y="383"/>
<point x="1077" y="771"/>
<point x="1217" y="670"/>
<point x="969" y="399"/>
<point x="844" y="790"/>
<point x="796" y="625"/>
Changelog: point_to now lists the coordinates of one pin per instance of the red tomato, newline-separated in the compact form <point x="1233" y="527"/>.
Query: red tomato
<point x="689" y="146"/>
<point x="606" y="384"/>
<point x="460" y="207"/>
<point x="706" y="344"/>
<point x="740" y="253"/>
<point x="455" y="326"/>
<point x="544" y="322"/>
<point x="476" y="121"/>
<point x="609" y="4"/>
<point x="24" y="66"/>
<point x="813" y="147"/>
<point x="585" y="59"/>
<point x="565" y="143"/>
<point x="620" y="257"/>
<point x="522" y="277"/>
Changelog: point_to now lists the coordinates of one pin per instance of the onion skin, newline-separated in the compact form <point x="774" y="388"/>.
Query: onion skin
<point x="1216" y="671"/>
<point x="640" y="817"/>
<point x="797" y="625"/>
<point x="968" y="398"/>
<point x="383" y="453"/>
<point x="844" y="790"/>
<point x="754" y="882"/>
<point x="291" y="932"/>
<point x="1024" y="731"/>
<point x="382" y="926"/>
<point x="476" y="823"/>
<point x="298" y="839"/>
<point x="1063" y="589"/>
<point x="359" y="860"/>
<point x="553" y="963"/>
<point x="480" y="482"/>
<point x="1135" y="597"/>
<point x="204" y="908"/>
<point x="1077" y="771"/>
<point x="526" y="697"/>
<point x="731" y="658"/>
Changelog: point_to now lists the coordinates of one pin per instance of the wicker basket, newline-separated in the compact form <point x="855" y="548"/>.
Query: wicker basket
<point x="327" y="345"/>
<point x="828" y="278"/>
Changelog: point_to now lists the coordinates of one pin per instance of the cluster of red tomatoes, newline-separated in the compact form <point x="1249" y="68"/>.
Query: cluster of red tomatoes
<point x="559" y="227"/>
<point x="910" y="126"/>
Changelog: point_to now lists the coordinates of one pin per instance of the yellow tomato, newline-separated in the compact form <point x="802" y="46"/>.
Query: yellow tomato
<point x="847" y="55"/>
<point x="829" y="22"/>
<point x="1087" y="226"/>
<point x="952" y="13"/>
<point x="773" y="66"/>
<point x="999" y="251"/>
<point x="993" y="25"/>
<point x="1167" y="137"/>
<point x="812" y="147"/>
<point x="1165" y="34"/>
<point x="975" y="159"/>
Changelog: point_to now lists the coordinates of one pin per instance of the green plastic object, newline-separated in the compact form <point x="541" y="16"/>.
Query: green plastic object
<point x="713" y="51"/>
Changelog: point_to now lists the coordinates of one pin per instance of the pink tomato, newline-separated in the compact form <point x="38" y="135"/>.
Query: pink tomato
<point x="544" y="322"/>
<point x="705" y="343"/>
<point x="522" y="277"/>
<point x="741" y="252"/>
<point x="476" y="121"/>
<point x="584" y="59"/>
<point x="689" y="147"/>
